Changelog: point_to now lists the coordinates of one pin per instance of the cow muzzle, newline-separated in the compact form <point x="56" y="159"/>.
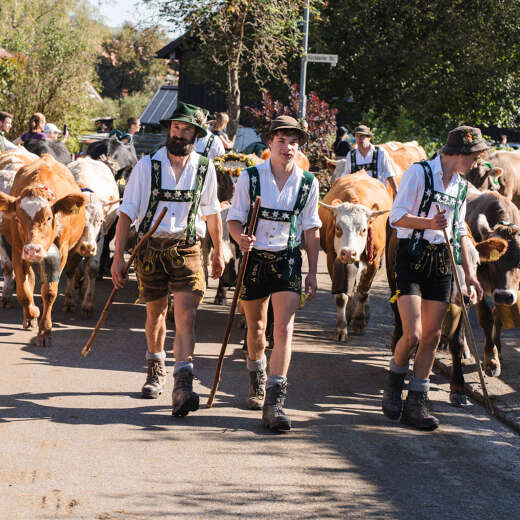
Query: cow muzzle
<point x="33" y="253"/>
<point x="87" y="249"/>
<point x="348" y="256"/>
<point x="504" y="297"/>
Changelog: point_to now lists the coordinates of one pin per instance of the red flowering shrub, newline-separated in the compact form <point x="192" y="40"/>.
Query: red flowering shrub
<point x="321" y="120"/>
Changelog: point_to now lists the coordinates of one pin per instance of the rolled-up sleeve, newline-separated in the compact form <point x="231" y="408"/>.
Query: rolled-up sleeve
<point x="137" y="187"/>
<point x="209" y="203"/>
<point x="309" y="216"/>
<point x="240" y="202"/>
<point x="411" y="185"/>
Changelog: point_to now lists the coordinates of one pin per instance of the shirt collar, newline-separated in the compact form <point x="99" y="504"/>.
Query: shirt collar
<point x="162" y="155"/>
<point x="436" y="167"/>
<point x="371" y="150"/>
<point x="266" y="165"/>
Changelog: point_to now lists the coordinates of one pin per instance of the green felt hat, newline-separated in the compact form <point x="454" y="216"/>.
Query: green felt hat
<point x="191" y="114"/>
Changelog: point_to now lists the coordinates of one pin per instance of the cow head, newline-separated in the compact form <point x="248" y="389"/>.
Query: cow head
<point x="117" y="154"/>
<point x="37" y="215"/>
<point x="351" y="229"/>
<point x="94" y="215"/>
<point x="485" y="176"/>
<point x="501" y="277"/>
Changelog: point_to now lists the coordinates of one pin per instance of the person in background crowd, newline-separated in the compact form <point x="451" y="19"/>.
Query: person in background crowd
<point x="134" y="125"/>
<point x="35" y="132"/>
<point x="342" y="145"/>
<point x="502" y="143"/>
<point x="210" y="145"/>
<point x="52" y="132"/>
<point x="6" y="121"/>
<point x="218" y="127"/>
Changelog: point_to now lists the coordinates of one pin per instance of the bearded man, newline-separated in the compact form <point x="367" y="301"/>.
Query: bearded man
<point x="178" y="178"/>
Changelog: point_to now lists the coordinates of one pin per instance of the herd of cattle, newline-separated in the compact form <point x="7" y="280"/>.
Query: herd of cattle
<point x="58" y="215"/>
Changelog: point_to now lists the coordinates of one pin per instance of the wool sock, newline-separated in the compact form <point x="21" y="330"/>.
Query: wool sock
<point x="398" y="369"/>
<point x="158" y="356"/>
<point x="180" y="365"/>
<point x="257" y="364"/>
<point x="418" y="384"/>
<point x="275" y="380"/>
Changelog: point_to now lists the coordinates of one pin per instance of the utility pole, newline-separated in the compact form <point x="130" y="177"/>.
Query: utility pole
<point x="303" y="71"/>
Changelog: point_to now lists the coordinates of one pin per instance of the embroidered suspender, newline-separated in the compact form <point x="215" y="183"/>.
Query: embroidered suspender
<point x="429" y="197"/>
<point x="2" y="144"/>
<point x="372" y="166"/>
<point x="157" y="194"/>
<point x="278" y="215"/>
<point x="208" y="145"/>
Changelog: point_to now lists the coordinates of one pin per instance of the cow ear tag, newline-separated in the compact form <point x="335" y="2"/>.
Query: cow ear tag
<point x="494" y="255"/>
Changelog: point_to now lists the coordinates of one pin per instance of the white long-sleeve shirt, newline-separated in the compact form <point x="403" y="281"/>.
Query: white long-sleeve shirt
<point x="384" y="165"/>
<point x="137" y="195"/>
<point x="271" y="235"/>
<point x="409" y="197"/>
<point x="216" y="149"/>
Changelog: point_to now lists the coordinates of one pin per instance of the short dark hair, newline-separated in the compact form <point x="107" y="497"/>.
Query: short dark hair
<point x="4" y="116"/>
<point x="289" y="132"/>
<point x="132" y="121"/>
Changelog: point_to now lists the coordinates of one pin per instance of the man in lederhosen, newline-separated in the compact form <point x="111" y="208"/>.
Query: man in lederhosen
<point x="373" y="159"/>
<point x="289" y="206"/>
<point x="423" y="270"/>
<point x="209" y="145"/>
<point x="178" y="178"/>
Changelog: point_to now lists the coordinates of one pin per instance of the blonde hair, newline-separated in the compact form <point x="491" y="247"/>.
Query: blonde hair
<point x="221" y="121"/>
<point x="36" y="121"/>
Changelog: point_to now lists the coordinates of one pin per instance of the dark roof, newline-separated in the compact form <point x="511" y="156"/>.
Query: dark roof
<point x="167" y="50"/>
<point x="161" y="106"/>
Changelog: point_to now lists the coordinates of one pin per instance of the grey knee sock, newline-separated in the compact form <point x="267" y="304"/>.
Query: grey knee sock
<point x="274" y="380"/>
<point x="179" y="365"/>
<point x="257" y="364"/>
<point x="418" y="384"/>
<point x="398" y="369"/>
<point x="159" y="356"/>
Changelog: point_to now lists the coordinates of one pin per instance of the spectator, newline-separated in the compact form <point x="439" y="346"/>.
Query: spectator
<point x="134" y="125"/>
<point x="218" y="127"/>
<point x="52" y="132"/>
<point x="35" y="132"/>
<point x="502" y="143"/>
<point x="6" y="121"/>
<point x="342" y="144"/>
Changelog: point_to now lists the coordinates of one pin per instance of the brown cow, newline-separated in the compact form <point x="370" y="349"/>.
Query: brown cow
<point x="44" y="217"/>
<point x="353" y="214"/>
<point x="494" y="216"/>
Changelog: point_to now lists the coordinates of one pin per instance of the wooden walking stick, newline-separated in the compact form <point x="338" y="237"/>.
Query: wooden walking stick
<point x="88" y="346"/>
<point x="467" y="325"/>
<point x="238" y="286"/>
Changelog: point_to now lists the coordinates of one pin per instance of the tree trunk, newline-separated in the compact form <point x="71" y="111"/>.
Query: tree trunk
<point x="233" y="99"/>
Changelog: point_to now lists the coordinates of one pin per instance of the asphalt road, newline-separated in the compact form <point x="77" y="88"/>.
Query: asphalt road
<point x="78" y="442"/>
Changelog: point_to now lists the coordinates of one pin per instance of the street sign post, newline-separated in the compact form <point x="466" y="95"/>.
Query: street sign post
<point x="323" y="58"/>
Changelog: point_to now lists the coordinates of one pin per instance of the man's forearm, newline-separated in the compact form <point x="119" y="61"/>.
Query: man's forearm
<point x="236" y="229"/>
<point x="312" y="246"/>
<point x="466" y="263"/>
<point x="214" y="223"/>
<point x="122" y="232"/>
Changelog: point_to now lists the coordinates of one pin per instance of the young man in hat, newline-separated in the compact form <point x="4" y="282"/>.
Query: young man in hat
<point x="209" y="145"/>
<point x="178" y="178"/>
<point x="423" y="270"/>
<point x="289" y="207"/>
<point x="373" y="159"/>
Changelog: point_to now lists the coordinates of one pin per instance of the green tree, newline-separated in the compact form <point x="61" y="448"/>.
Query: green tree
<point x="232" y="39"/>
<point x="128" y="62"/>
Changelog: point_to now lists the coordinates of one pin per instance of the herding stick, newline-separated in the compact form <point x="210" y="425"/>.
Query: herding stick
<point x="232" y="310"/>
<point x="467" y="325"/>
<point x="88" y="346"/>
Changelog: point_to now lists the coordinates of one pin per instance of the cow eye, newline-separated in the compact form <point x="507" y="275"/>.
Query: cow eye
<point x="364" y="231"/>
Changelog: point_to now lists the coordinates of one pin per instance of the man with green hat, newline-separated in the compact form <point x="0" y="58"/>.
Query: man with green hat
<point x="184" y="182"/>
<point x="209" y="145"/>
<point x="289" y="207"/>
<point x="423" y="269"/>
<point x="373" y="159"/>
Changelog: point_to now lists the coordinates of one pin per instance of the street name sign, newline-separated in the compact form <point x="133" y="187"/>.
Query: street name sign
<point x="323" y="58"/>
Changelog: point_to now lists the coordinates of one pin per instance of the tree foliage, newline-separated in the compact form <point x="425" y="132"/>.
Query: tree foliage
<point x="55" y="44"/>
<point x="128" y="62"/>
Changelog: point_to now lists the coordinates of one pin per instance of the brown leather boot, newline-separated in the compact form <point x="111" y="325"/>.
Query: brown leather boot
<point x="256" y="394"/>
<point x="273" y="415"/>
<point x="155" y="379"/>
<point x="416" y="413"/>
<point x="392" y="403"/>
<point x="184" y="399"/>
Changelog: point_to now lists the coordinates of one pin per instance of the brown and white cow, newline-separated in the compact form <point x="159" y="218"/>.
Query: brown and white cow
<point x="101" y="192"/>
<point x="44" y="217"/>
<point x="402" y="155"/>
<point x="494" y="216"/>
<point x="353" y="215"/>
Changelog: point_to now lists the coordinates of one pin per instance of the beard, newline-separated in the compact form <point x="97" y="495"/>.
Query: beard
<point x="179" y="147"/>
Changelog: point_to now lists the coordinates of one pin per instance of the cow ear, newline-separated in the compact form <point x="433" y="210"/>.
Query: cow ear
<point x="492" y="249"/>
<point x="483" y="226"/>
<point x="496" y="172"/>
<point x="7" y="203"/>
<point x="69" y="205"/>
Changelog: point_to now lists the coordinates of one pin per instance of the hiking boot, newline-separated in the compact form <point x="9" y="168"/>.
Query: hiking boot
<point x="184" y="399"/>
<point x="392" y="396"/>
<point x="155" y="379"/>
<point x="256" y="395"/>
<point x="273" y="415"/>
<point x="416" y="413"/>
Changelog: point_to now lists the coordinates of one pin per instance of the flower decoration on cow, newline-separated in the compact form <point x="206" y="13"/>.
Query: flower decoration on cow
<point x="233" y="163"/>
